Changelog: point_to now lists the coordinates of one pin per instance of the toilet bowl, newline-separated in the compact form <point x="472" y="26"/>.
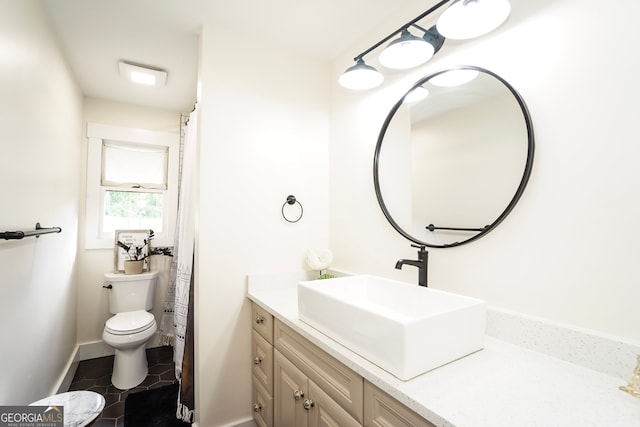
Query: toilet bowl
<point x="131" y="327"/>
<point x="128" y="334"/>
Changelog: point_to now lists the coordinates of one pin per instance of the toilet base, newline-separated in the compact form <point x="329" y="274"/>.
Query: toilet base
<point x="130" y="367"/>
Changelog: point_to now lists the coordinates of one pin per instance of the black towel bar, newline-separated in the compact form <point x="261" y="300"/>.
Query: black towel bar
<point x="16" y="235"/>
<point x="432" y="227"/>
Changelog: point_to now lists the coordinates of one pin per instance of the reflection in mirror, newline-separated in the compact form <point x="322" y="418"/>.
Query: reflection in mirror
<point x="450" y="167"/>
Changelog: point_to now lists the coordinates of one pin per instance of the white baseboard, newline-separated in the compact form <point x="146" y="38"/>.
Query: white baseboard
<point x="63" y="383"/>
<point x="246" y="423"/>
<point x="94" y="350"/>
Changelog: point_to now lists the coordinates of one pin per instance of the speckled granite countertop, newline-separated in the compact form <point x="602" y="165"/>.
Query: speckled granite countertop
<point x="503" y="385"/>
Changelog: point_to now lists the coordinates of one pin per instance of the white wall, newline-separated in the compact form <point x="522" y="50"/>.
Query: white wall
<point x="40" y="118"/>
<point x="264" y="135"/>
<point x="568" y="252"/>
<point x="93" y="308"/>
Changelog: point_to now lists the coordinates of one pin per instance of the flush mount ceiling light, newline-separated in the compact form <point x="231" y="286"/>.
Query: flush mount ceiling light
<point x="142" y="74"/>
<point x="407" y="51"/>
<point x="479" y="17"/>
<point x="466" y="19"/>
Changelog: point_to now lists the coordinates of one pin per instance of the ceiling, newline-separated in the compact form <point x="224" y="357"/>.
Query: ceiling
<point x="96" y="34"/>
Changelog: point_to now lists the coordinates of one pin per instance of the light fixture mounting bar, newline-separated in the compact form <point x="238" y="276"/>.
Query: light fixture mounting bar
<point x="419" y="27"/>
<point x="399" y="30"/>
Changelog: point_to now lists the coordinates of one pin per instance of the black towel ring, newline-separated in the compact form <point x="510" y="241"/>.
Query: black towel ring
<point x="291" y="200"/>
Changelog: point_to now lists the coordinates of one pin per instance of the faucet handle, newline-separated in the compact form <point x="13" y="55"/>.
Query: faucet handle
<point x="422" y="252"/>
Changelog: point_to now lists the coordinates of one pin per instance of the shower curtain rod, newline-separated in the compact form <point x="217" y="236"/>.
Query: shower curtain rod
<point x="16" y="235"/>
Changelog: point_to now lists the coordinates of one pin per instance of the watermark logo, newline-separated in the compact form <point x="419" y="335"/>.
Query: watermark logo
<point x="31" y="416"/>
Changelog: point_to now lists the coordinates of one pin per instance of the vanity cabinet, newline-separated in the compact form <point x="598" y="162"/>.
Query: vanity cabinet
<point x="262" y="362"/>
<point x="297" y="384"/>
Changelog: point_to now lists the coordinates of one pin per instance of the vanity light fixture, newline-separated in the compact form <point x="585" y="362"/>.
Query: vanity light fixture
<point x="142" y="74"/>
<point x="407" y="51"/>
<point x="417" y="94"/>
<point x="477" y="18"/>
<point x="466" y="19"/>
<point x="361" y="76"/>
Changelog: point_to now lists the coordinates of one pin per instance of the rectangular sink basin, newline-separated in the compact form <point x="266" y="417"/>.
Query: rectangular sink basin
<point x="404" y="329"/>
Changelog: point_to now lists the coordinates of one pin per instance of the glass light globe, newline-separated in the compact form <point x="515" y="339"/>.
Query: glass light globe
<point x="417" y="94"/>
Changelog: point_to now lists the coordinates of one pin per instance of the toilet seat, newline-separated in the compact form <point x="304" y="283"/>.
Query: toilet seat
<point x="129" y="322"/>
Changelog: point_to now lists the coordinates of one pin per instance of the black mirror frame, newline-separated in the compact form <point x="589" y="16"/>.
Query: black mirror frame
<point x="523" y="182"/>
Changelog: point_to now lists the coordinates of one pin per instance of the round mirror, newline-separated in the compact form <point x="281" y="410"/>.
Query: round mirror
<point x="453" y="157"/>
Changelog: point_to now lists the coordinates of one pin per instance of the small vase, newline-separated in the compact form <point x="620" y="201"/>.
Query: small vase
<point x="133" y="267"/>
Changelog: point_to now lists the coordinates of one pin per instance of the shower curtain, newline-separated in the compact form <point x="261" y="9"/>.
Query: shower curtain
<point x="177" y="322"/>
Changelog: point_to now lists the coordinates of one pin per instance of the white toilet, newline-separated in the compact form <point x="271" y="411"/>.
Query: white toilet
<point x="130" y="298"/>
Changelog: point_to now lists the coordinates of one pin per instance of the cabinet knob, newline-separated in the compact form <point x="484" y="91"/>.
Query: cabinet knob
<point x="308" y="404"/>
<point x="257" y="407"/>
<point x="298" y="394"/>
<point x="257" y="360"/>
<point x="259" y="319"/>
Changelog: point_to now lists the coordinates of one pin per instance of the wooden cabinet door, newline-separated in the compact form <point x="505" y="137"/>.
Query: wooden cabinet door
<point x="341" y="383"/>
<point x="382" y="410"/>
<point x="290" y="389"/>
<point x="325" y="412"/>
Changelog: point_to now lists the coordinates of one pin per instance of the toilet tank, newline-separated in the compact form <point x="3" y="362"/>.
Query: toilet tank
<point x="130" y="292"/>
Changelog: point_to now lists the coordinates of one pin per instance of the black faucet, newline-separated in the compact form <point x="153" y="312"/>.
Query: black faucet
<point x="422" y="263"/>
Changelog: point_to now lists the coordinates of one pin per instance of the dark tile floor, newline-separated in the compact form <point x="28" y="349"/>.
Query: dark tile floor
<point x="95" y="375"/>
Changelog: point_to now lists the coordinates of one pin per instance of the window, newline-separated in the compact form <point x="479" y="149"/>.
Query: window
<point x="132" y="177"/>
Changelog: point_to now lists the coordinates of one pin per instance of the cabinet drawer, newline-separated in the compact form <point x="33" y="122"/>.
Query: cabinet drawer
<point x="262" y="405"/>
<point x="262" y="354"/>
<point x="339" y="382"/>
<point x="262" y="322"/>
<point x="382" y="410"/>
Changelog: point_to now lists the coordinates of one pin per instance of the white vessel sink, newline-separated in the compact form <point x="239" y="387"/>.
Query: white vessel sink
<point x="404" y="329"/>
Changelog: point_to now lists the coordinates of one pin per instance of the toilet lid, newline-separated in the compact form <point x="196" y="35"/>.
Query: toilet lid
<point x="129" y="322"/>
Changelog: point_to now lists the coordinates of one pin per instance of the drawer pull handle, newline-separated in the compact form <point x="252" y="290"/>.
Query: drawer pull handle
<point x="259" y="319"/>
<point x="257" y="407"/>
<point x="307" y="404"/>
<point x="257" y="360"/>
<point x="298" y="394"/>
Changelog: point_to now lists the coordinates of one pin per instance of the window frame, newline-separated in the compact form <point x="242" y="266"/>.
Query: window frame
<point x="96" y="135"/>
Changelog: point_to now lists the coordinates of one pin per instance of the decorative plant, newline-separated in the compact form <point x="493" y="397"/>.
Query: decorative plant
<point x="136" y="253"/>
